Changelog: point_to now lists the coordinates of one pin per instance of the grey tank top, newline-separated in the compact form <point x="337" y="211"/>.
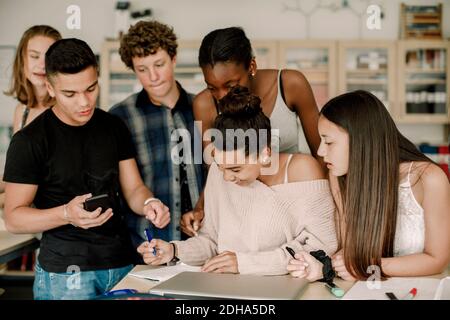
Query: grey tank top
<point x="290" y="136"/>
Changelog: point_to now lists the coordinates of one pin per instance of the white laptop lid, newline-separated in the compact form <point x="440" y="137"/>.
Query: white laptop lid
<point x="201" y="285"/>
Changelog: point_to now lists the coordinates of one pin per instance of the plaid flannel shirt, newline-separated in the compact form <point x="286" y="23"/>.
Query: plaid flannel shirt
<point x="151" y="127"/>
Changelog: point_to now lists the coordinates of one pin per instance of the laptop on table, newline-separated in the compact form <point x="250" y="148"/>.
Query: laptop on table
<point x="203" y="285"/>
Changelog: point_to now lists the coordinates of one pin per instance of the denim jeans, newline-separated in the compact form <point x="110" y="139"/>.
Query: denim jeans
<point x="75" y="285"/>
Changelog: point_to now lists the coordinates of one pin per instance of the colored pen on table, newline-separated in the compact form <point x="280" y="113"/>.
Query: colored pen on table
<point x="149" y="238"/>
<point x="411" y="294"/>
<point x="120" y="292"/>
<point x="334" y="289"/>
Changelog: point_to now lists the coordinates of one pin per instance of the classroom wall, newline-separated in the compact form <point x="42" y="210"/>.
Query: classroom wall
<point x="261" y="19"/>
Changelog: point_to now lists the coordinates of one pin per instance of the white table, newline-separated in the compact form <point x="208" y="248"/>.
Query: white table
<point x="14" y="245"/>
<point x="314" y="291"/>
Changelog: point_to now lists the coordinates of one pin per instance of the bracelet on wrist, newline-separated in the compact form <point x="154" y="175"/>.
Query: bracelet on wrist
<point x="147" y="201"/>
<point x="174" y="257"/>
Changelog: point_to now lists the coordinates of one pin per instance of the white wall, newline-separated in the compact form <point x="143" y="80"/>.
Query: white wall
<point x="261" y="19"/>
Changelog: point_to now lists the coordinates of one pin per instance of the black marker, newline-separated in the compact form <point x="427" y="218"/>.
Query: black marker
<point x="391" y="296"/>
<point x="291" y="251"/>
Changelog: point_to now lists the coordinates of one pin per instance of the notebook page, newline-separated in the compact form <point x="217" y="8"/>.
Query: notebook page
<point x="165" y="272"/>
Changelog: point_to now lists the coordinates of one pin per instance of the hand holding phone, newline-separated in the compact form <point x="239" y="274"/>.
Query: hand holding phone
<point x="103" y="201"/>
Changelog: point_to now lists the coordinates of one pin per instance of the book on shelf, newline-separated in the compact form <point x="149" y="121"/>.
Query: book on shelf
<point x="426" y="59"/>
<point x="424" y="22"/>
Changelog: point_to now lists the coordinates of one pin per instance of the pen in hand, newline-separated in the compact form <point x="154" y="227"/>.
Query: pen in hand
<point x="333" y="288"/>
<point x="149" y="238"/>
<point x="291" y="251"/>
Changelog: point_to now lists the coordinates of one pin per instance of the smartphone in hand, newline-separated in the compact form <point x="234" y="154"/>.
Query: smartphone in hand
<point x="103" y="201"/>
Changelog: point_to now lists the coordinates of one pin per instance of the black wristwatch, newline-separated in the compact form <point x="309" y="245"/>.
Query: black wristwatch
<point x="327" y="270"/>
<point x="174" y="258"/>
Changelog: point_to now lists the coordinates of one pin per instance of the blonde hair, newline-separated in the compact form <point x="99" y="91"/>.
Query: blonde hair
<point x="21" y="88"/>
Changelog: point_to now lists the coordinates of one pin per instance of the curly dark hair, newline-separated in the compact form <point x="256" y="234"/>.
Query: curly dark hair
<point x="145" y="38"/>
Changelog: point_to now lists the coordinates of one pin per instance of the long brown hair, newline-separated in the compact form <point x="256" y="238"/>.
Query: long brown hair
<point x="21" y="88"/>
<point x="369" y="190"/>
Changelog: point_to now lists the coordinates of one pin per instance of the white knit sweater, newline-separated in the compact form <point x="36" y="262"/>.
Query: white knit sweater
<point x="257" y="222"/>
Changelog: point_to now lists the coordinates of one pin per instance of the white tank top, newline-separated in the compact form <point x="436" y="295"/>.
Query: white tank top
<point x="291" y="137"/>
<point x="410" y="229"/>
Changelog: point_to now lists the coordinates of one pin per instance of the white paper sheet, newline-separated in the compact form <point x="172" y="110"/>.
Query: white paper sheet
<point x="164" y="273"/>
<point x="426" y="289"/>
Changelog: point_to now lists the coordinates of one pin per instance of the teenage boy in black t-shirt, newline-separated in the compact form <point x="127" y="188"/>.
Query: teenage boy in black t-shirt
<point x="69" y="153"/>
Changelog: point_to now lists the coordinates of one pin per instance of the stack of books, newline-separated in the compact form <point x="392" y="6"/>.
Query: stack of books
<point x="421" y="22"/>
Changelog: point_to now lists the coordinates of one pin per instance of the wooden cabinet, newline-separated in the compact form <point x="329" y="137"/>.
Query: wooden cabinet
<point x="266" y="53"/>
<point x="116" y="81"/>
<point x="410" y="77"/>
<point x="370" y="66"/>
<point x="423" y="86"/>
<point x="316" y="60"/>
<point x="187" y="70"/>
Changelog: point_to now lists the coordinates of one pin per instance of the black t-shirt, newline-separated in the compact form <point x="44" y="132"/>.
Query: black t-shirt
<point x="67" y="161"/>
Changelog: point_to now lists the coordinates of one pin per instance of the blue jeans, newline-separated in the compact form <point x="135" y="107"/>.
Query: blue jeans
<point x="75" y="285"/>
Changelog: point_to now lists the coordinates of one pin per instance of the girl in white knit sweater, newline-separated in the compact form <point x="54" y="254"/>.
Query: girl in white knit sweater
<point x="252" y="214"/>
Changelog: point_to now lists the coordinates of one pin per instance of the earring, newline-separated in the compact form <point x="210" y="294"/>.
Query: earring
<point x="265" y="160"/>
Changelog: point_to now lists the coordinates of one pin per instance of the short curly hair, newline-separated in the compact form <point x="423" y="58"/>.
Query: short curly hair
<point x="145" y="38"/>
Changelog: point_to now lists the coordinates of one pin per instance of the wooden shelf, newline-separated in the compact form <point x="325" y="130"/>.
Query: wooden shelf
<point x="421" y="118"/>
<point x="425" y="81"/>
<point x="120" y="69"/>
<point x="419" y="70"/>
<point x="112" y="65"/>
<point x="353" y="75"/>
<point x="188" y="70"/>
<point x="313" y="70"/>
<point x="318" y="82"/>
<point x="406" y="82"/>
<point x="367" y="71"/>
<point x="330" y="79"/>
<point x="419" y="22"/>
<point x="367" y="82"/>
<point x="123" y="81"/>
<point x="316" y="59"/>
